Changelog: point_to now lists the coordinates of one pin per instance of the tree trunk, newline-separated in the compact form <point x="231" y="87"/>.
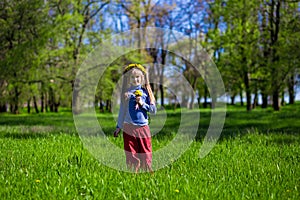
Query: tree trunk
<point x="255" y="102"/>
<point x="35" y="105"/>
<point x="248" y="91"/>
<point x="198" y="100"/>
<point x="15" y="106"/>
<point x="274" y="33"/>
<point x="161" y="81"/>
<point x="51" y="99"/>
<point x="275" y="99"/>
<point x="28" y="105"/>
<point x="205" y="97"/>
<point x="232" y="99"/>
<point x="3" y="108"/>
<point x="282" y="103"/>
<point x="56" y="105"/>
<point x="161" y="89"/>
<point x="76" y="102"/>
<point x="185" y="102"/>
<point x="213" y="102"/>
<point x="264" y="100"/>
<point x="108" y="105"/>
<point x="46" y="102"/>
<point x="42" y="102"/>
<point x="192" y="100"/>
<point x="53" y="104"/>
<point x="241" y="97"/>
<point x="291" y="84"/>
<point x="101" y="106"/>
<point x="194" y="84"/>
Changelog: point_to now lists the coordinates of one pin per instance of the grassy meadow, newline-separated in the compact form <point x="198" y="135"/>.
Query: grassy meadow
<point x="257" y="157"/>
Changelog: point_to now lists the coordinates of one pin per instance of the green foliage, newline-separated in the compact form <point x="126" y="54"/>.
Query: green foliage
<point x="46" y="41"/>
<point x="255" y="44"/>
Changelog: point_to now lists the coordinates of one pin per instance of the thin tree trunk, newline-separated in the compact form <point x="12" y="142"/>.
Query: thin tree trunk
<point x="15" y="108"/>
<point x="28" y="105"/>
<point x="275" y="99"/>
<point x="46" y="102"/>
<point x="51" y="99"/>
<point x="161" y="81"/>
<point x="241" y="97"/>
<point x="291" y="84"/>
<point x="274" y="33"/>
<point x="42" y="102"/>
<point x="35" y="105"/>
<point x="101" y="106"/>
<point x="205" y="97"/>
<point x="232" y="99"/>
<point x="255" y="101"/>
<point x="198" y="100"/>
<point x="161" y="89"/>
<point x="194" y="84"/>
<point x="108" y="105"/>
<point x="282" y="103"/>
<point x="264" y="100"/>
<point x="56" y="105"/>
<point x="248" y="91"/>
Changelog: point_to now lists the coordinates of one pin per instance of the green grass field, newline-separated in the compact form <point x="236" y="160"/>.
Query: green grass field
<point x="257" y="157"/>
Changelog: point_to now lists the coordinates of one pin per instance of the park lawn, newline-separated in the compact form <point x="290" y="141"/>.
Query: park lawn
<point x="257" y="157"/>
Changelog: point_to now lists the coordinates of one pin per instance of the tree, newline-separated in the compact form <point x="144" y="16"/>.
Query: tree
<point x="23" y="38"/>
<point x="280" y="59"/>
<point x="74" y="19"/>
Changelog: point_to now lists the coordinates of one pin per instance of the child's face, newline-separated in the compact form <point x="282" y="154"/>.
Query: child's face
<point x="136" y="77"/>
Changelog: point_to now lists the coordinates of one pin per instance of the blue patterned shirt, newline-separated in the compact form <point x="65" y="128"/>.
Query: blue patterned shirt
<point x="130" y="113"/>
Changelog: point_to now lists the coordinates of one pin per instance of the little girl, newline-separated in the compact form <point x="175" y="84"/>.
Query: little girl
<point x="136" y="100"/>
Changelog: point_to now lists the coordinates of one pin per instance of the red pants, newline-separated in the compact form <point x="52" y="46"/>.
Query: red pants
<point x="138" y="147"/>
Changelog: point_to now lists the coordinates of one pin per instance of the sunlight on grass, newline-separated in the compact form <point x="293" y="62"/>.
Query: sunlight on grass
<point x="257" y="157"/>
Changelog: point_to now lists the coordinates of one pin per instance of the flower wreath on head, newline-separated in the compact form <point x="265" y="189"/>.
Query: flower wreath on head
<point x="131" y="66"/>
<point x="146" y="85"/>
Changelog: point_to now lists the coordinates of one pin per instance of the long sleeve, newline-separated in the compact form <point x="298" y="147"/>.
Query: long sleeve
<point x="130" y="113"/>
<point x="147" y="106"/>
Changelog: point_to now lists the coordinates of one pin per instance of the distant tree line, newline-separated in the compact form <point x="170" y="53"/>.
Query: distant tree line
<point x="255" y="45"/>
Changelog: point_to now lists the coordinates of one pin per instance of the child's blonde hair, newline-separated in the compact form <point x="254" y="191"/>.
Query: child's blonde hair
<point x="139" y="72"/>
<point x="146" y="85"/>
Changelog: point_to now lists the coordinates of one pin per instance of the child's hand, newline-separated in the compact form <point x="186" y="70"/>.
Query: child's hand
<point x="117" y="131"/>
<point x="139" y="100"/>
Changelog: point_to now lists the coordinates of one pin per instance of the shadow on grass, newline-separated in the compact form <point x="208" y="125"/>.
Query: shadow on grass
<point x="238" y="122"/>
<point x="37" y="119"/>
<point x="33" y="132"/>
<point x="34" y="126"/>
